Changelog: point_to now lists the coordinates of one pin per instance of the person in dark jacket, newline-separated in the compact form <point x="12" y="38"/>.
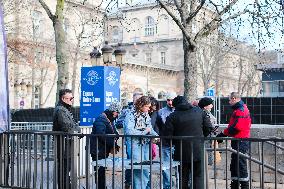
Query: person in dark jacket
<point x="153" y="113"/>
<point x="188" y="120"/>
<point x="102" y="146"/>
<point x="166" y="149"/>
<point x="239" y="127"/>
<point x="63" y="121"/>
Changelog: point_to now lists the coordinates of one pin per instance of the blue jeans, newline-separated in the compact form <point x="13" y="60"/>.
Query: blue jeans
<point x="128" y="176"/>
<point x="140" y="176"/>
<point x="166" y="156"/>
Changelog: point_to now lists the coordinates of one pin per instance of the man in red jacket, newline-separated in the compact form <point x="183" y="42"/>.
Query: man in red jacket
<point x="239" y="127"/>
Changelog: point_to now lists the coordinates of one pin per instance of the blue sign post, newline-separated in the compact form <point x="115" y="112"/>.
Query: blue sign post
<point x="211" y="92"/>
<point x="100" y="85"/>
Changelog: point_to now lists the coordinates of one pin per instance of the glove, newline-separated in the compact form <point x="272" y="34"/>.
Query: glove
<point x="220" y="135"/>
<point x="114" y="150"/>
<point x="117" y="148"/>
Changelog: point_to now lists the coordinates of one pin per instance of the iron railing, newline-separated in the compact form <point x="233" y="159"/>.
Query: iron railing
<point x="26" y="161"/>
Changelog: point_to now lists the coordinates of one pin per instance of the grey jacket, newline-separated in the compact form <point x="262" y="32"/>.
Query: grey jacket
<point x="63" y="119"/>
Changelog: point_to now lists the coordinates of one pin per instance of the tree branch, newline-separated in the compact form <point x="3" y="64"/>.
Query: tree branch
<point x="217" y="21"/>
<point x="194" y="13"/>
<point x="47" y="10"/>
<point x="180" y="25"/>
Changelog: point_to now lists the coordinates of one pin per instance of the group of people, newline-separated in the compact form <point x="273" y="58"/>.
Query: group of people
<point x="143" y="117"/>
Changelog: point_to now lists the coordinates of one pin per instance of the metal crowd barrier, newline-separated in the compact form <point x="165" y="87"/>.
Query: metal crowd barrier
<point x="63" y="169"/>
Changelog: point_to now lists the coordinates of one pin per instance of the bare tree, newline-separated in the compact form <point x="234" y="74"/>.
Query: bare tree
<point x="187" y="14"/>
<point x="84" y="30"/>
<point x="60" y="41"/>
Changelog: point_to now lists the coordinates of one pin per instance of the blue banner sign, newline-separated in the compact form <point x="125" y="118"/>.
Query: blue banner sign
<point x="4" y="100"/>
<point x="100" y="85"/>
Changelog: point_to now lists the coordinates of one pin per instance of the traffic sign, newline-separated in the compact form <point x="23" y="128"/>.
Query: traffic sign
<point x="22" y="103"/>
<point x="210" y="92"/>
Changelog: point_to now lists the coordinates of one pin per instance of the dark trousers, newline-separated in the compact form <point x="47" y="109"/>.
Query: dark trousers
<point x="63" y="171"/>
<point x="63" y="162"/>
<point x="184" y="172"/>
<point x="238" y="167"/>
<point x="100" y="177"/>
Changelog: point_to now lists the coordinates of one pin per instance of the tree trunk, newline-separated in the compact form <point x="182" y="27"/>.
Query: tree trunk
<point x="61" y="53"/>
<point x="190" y="72"/>
<point x="75" y="70"/>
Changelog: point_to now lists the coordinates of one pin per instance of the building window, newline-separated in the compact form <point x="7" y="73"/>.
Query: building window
<point x="267" y="87"/>
<point x="163" y="57"/>
<point x="275" y="86"/>
<point x="36" y="99"/>
<point x="149" y="26"/>
<point x="36" y="21"/>
<point x="38" y="57"/>
<point x="115" y="34"/>
<point x="281" y="86"/>
<point x="148" y="56"/>
<point x="280" y="58"/>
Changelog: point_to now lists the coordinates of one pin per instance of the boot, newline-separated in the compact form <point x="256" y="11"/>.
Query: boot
<point x="244" y="185"/>
<point x="127" y="186"/>
<point x="234" y="184"/>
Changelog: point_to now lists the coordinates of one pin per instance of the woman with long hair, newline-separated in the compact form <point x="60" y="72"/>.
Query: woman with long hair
<point x="138" y="122"/>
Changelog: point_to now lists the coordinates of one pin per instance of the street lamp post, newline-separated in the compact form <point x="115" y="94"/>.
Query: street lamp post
<point x="22" y="90"/>
<point x="95" y="57"/>
<point x="120" y="55"/>
<point x="107" y="52"/>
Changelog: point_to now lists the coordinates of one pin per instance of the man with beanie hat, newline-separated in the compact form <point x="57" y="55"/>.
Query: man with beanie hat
<point x="100" y="147"/>
<point x="205" y="101"/>
<point x="165" y="147"/>
<point x="188" y="120"/>
<point x="206" y="104"/>
<point x="239" y="127"/>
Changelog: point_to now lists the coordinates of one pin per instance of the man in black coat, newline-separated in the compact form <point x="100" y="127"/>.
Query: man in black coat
<point x="63" y="121"/>
<point x="101" y="146"/>
<point x="188" y="120"/>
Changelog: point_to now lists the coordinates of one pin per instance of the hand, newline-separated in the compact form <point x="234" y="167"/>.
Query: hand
<point x="148" y="129"/>
<point x="155" y="140"/>
<point x="220" y="135"/>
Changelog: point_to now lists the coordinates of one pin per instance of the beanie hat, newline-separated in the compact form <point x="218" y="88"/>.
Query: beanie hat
<point x="205" y="102"/>
<point x="171" y="95"/>
<point x="179" y="100"/>
<point x="114" y="107"/>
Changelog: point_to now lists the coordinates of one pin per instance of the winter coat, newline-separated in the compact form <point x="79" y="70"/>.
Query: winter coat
<point x="63" y="119"/>
<point x="240" y="122"/>
<point x="136" y="124"/>
<point x="154" y="116"/>
<point x="102" y="145"/>
<point x="120" y="122"/>
<point x="161" y="118"/>
<point x="187" y="120"/>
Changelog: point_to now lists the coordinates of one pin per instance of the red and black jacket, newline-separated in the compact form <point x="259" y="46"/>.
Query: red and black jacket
<point x="240" y="122"/>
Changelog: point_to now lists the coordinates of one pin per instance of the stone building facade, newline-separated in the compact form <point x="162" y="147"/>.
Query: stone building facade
<point x="154" y="55"/>
<point x="153" y="43"/>
<point x="31" y="48"/>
